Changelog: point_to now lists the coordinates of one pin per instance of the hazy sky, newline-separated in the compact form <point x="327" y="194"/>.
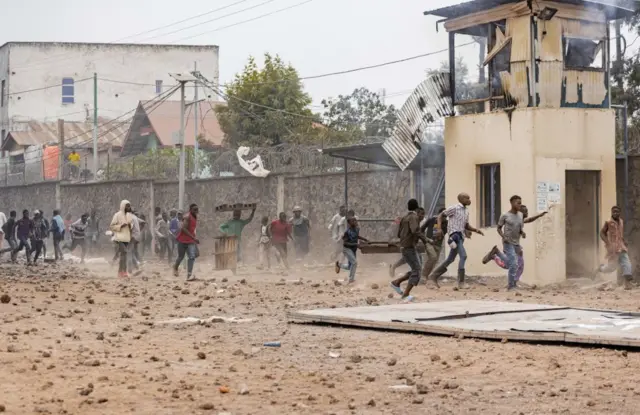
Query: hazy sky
<point x="318" y="37"/>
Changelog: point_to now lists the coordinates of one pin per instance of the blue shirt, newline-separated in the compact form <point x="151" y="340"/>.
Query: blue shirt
<point x="351" y="237"/>
<point x="174" y="226"/>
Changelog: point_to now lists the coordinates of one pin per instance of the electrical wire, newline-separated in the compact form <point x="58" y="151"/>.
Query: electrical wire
<point x="242" y="22"/>
<point x="160" y="99"/>
<point x="209" y="21"/>
<point x="55" y="58"/>
<point x="46" y="87"/>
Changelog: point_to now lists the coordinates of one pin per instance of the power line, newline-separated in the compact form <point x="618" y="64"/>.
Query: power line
<point x="209" y="21"/>
<point x="181" y="21"/>
<point x="55" y="58"/>
<point x="46" y="87"/>
<point x="242" y="22"/>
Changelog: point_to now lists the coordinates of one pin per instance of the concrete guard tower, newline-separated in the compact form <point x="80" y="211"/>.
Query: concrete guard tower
<point x="544" y="131"/>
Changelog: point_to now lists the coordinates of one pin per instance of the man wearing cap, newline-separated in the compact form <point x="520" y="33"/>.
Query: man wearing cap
<point x="234" y="227"/>
<point x="301" y="230"/>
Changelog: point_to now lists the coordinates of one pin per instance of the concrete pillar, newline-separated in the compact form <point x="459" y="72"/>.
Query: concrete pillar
<point x="280" y="202"/>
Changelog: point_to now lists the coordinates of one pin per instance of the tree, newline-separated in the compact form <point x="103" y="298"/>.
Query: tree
<point x="265" y="107"/>
<point x="359" y="115"/>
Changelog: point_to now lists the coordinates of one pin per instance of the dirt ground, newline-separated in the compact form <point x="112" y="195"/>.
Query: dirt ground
<point x="76" y="340"/>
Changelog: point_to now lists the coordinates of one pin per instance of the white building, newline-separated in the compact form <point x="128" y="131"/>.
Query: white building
<point x="44" y="81"/>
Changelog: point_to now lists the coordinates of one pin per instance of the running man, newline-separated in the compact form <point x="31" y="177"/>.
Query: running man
<point x="436" y="233"/>
<point x="409" y="234"/>
<point x="612" y="234"/>
<point x="188" y="243"/>
<point x="24" y="231"/>
<point x="79" y="236"/>
<point x="301" y="229"/>
<point x="121" y="228"/>
<point x="351" y="242"/>
<point x="57" y="231"/>
<point x="501" y="259"/>
<point x="402" y="261"/>
<point x="40" y="231"/>
<point x="264" y="244"/>
<point x="9" y="231"/>
<point x="234" y="227"/>
<point x="337" y="231"/>
<point x="280" y="235"/>
<point x="457" y="225"/>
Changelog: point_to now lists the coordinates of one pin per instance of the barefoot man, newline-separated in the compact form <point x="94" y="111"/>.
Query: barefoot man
<point x="457" y="225"/>
<point x="612" y="234"/>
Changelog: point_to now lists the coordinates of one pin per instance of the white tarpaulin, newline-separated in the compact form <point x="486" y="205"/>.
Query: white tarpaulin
<point x="253" y="166"/>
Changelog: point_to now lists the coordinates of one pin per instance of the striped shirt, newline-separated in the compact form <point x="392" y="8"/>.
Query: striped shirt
<point x="458" y="216"/>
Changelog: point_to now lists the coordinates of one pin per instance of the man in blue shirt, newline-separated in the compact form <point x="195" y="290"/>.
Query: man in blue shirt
<point x="174" y="226"/>
<point x="350" y="244"/>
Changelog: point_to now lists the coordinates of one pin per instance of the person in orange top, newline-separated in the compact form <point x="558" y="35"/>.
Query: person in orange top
<point x="612" y="234"/>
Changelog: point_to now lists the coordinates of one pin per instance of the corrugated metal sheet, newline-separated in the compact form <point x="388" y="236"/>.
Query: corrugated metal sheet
<point x="590" y="83"/>
<point x="77" y="134"/>
<point x="549" y="47"/>
<point x="515" y="84"/>
<point x="430" y="101"/>
<point x="518" y="29"/>
<point x="549" y="87"/>
<point x="580" y="28"/>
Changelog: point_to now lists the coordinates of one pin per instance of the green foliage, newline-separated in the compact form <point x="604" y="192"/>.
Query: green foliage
<point x="162" y="164"/>
<point x="276" y="85"/>
<point x="360" y="115"/>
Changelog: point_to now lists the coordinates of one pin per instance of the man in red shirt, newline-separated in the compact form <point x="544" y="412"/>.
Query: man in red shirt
<point x="187" y="242"/>
<point x="280" y="235"/>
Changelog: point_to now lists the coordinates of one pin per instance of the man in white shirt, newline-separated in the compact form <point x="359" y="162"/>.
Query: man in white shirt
<point x="458" y="224"/>
<point x="336" y="232"/>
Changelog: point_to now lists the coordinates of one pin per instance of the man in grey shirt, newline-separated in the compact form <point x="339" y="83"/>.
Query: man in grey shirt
<point x="510" y="230"/>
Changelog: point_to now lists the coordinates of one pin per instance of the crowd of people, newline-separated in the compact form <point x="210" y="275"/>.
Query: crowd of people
<point x="175" y="236"/>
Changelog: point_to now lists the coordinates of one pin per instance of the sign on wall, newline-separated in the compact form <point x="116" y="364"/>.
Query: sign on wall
<point x="547" y="195"/>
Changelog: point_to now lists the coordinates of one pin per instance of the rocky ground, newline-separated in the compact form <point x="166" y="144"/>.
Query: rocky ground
<point x="75" y="340"/>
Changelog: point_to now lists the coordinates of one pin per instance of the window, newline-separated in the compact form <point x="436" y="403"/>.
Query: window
<point x="159" y="86"/>
<point x="489" y="191"/>
<point x="583" y="53"/>
<point x="68" y="92"/>
<point x="2" y="93"/>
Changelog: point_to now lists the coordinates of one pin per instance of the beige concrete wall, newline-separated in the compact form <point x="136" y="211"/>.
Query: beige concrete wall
<point x="531" y="145"/>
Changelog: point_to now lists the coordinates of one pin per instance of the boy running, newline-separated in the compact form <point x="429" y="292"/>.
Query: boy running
<point x="350" y="242"/>
<point x="264" y="243"/>
<point x="501" y="259"/>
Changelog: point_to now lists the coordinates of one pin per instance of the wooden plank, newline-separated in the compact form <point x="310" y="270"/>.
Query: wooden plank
<point x="486" y="16"/>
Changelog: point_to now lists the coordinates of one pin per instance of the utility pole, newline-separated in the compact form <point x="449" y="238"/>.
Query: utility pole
<point x="95" y="125"/>
<point x="618" y="25"/>
<point x="182" y="79"/>
<point x="196" y="146"/>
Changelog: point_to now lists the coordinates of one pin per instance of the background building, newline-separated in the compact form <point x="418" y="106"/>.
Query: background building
<point x="44" y="81"/>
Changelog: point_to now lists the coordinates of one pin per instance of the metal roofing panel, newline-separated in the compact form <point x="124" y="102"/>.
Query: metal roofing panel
<point x="614" y="9"/>
<point x="77" y="134"/>
<point x="430" y="101"/>
<point x="165" y="120"/>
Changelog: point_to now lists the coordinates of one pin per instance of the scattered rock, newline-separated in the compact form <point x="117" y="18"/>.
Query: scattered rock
<point x="435" y="358"/>
<point x="418" y="400"/>
<point x="126" y="314"/>
<point x="68" y="332"/>
<point x="355" y="358"/>
<point x="370" y="379"/>
<point x="207" y="406"/>
<point x="371" y="403"/>
<point x="5" y="299"/>
<point x="392" y="361"/>
<point x="196" y="304"/>
<point x="375" y="286"/>
<point x="202" y="356"/>
<point x="244" y="390"/>
<point x="11" y="348"/>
